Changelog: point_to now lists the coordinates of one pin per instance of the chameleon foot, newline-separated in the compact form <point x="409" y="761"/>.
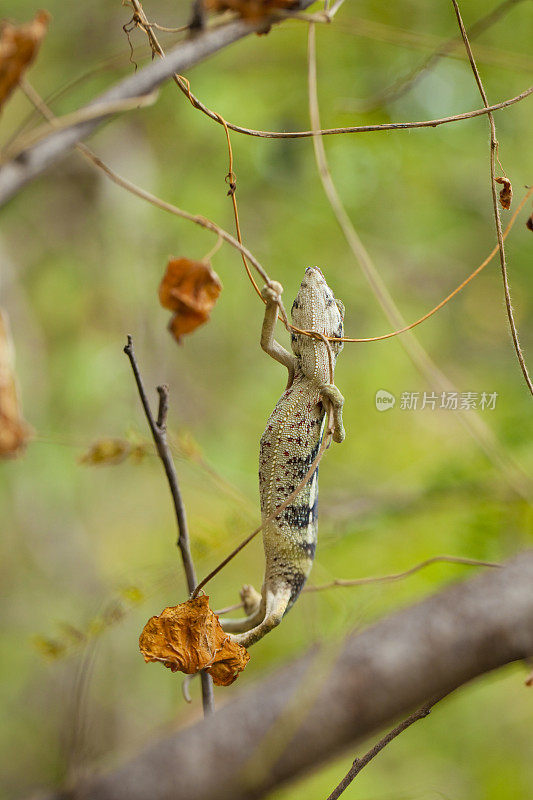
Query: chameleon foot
<point x="251" y="599"/>
<point x="330" y="392"/>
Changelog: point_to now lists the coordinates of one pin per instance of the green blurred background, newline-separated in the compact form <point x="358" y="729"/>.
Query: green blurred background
<point x="87" y="553"/>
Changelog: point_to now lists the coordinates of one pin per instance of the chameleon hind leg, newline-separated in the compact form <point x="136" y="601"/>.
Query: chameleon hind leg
<point x="254" y="609"/>
<point x="276" y="605"/>
<point x="331" y="394"/>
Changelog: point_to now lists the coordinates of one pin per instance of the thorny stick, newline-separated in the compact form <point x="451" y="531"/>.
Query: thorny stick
<point x="481" y="433"/>
<point x="497" y="218"/>
<point x="159" y="434"/>
<point x="360" y="763"/>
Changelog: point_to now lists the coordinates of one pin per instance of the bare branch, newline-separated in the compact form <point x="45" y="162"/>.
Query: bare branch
<point x="361" y="763"/>
<point x="377" y="676"/>
<point x="397" y="576"/>
<point x="159" y="434"/>
<point x="386" y="126"/>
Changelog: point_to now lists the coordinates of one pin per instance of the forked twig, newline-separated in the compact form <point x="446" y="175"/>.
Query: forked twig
<point x="158" y="429"/>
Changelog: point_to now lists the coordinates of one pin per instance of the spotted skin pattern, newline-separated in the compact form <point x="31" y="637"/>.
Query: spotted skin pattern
<point x="288" y="447"/>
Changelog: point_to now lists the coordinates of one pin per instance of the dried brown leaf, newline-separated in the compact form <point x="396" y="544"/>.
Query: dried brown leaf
<point x="18" y="47"/>
<point x="190" y="289"/>
<point x="506" y="194"/>
<point x="529" y="223"/>
<point x="14" y="431"/>
<point x="188" y="637"/>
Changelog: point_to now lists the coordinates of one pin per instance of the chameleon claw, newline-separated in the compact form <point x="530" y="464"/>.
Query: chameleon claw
<point x="272" y="292"/>
<point x="251" y="599"/>
<point x="331" y="394"/>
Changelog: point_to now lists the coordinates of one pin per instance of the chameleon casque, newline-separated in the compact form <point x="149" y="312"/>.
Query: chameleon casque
<point x="289" y="445"/>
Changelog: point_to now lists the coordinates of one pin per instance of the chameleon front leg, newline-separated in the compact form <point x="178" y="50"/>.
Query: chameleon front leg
<point x="271" y="293"/>
<point x="331" y="394"/>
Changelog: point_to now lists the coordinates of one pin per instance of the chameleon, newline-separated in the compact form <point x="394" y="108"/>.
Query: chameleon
<point x="288" y="447"/>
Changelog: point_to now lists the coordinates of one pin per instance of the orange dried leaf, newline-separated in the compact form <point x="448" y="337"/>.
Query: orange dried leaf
<point x="506" y="194"/>
<point x="188" y="637"/>
<point x="190" y="289"/>
<point x="14" y="431"/>
<point x="18" y="47"/>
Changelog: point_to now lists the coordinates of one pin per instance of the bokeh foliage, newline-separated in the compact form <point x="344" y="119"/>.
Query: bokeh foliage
<point x="90" y="551"/>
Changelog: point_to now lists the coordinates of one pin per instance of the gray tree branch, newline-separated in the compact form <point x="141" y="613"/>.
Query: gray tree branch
<point x="326" y="701"/>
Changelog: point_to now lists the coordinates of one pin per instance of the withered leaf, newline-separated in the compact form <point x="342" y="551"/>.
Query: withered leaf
<point x="188" y="637"/>
<point x="14" y="431"/>
<point x="109" y="450"/>
<point x="251" y="9"/>
<point x="106" y="451"/>
<point x="529" y="223"/>
<point x="190" y="289"/>
<point x="506" y="193"/>
<point x="18" y="47"/>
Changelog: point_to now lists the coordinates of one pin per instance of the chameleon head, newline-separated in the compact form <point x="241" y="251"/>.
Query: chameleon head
<point x="316" y="309"/>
